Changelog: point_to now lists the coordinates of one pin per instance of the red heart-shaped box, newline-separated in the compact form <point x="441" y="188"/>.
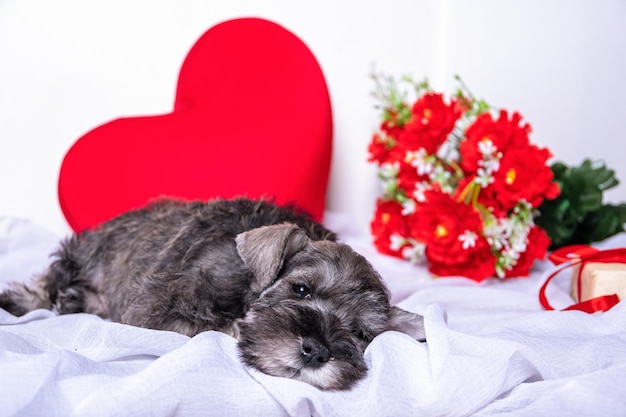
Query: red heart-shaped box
<point x="252" y="118"/>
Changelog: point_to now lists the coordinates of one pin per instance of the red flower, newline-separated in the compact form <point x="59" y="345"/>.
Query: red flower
<point x="503" y="133"/>
<point x="538" y="243"/>
<point x="524" y="175"/>
<point x="407" y="178"/>
<point x="388" y="220"/>
<point x="378" y="149"/>
<point x="431" y="122"/>
<point x="452" y="232"/>
<point x="391" y="128"/>
<point x="383" y="146"/>
<point x="479" y="265"/>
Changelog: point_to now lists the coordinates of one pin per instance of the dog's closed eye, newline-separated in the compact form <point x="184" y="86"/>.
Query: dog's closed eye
<point x="301" y="290"/>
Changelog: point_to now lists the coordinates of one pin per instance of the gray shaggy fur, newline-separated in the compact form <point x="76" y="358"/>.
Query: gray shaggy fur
<point x="300" y="304"/>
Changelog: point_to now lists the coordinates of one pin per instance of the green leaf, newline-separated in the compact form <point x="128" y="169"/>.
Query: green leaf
<point x="577" y="215"/>
<point x="559" y="169"/>
<point x="557" y="220"/>
<point x="599" y="225"/>
<point x="621" y="212"/>
<point x="594" y="173"/>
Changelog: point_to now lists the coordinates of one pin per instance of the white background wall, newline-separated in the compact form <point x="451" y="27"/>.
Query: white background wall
<point x="67" y="66"/>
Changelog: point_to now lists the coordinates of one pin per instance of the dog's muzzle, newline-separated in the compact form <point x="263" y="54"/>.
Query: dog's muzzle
<point x="314" y="353"/>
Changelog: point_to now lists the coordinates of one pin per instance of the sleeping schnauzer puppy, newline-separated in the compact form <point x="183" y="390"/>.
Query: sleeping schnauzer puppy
<point x="300" y="304"/>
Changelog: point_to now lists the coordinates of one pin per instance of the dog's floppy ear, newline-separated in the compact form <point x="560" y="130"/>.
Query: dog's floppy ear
<point x="265" y="249"/>
<point x="406" y="322"/>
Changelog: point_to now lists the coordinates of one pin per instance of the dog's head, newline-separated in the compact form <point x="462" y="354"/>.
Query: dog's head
<point x="314" y="308"/>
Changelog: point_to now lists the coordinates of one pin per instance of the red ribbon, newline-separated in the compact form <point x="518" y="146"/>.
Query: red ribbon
<point x="581" y="254"/>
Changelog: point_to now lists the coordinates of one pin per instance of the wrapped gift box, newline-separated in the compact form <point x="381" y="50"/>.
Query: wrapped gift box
<point x="598" y="279"/>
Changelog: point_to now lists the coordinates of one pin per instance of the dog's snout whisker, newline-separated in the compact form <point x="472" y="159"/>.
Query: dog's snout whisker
<point x="314" y="353"/>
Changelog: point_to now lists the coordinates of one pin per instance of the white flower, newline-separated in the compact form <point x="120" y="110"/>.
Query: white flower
<point x="440" y="175"/>
<point x="388" y="170"/>
<point x="420" y="191"/>
<point x="469" y="239"/>
<point x="496" y="233"/>
<point x="396" y="242"/>
<point x="487" y="148"/>
<point x="490" y="165"/>
<point x="414" y="253"/>
<point x="511" y="256"/>
<point x="505" y="227"/>
<point x="408" y="207"/>
<point x="483" y="178"/>
<point x="420" y="160"/>
<point x="491" y="157"/>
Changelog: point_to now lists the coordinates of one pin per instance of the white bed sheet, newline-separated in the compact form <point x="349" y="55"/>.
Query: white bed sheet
<point x="491" y="351"/>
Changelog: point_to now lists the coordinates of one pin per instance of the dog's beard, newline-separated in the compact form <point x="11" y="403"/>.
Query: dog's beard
<point x="335" y="374"/>
<point x="271" y="340"/>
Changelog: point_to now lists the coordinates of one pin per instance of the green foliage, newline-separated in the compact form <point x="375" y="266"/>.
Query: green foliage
<point x="578" y="215"/>
<point x="393" y="99"/>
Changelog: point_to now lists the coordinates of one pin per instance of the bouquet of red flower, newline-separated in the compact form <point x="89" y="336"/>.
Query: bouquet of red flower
<point x="461" y="184"/>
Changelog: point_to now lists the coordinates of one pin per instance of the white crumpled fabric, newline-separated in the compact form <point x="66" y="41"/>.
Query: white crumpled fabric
<point x="491" y="350"/>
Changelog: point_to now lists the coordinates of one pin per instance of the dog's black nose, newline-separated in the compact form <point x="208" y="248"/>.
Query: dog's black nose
<point x="314" y="353"/>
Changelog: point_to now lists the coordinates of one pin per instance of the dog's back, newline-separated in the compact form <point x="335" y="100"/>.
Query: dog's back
<point x="170" y="265"/>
